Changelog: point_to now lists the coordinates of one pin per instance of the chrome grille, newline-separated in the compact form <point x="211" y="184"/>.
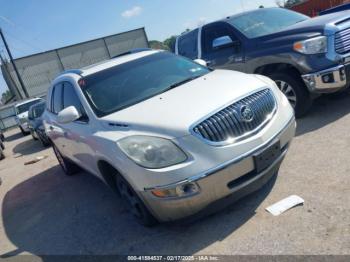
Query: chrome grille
<point x="230" y="124"/>
<point x="342" y="41"/>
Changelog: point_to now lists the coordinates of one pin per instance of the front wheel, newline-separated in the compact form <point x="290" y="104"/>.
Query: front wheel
<point x="294" y="89"/>
<point x="134" y="203"/>
<point x="68" y="167"/>
<point x="34" y="135"/>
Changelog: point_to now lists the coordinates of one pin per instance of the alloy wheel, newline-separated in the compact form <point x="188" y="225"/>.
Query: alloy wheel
<point x="288" y="91"/>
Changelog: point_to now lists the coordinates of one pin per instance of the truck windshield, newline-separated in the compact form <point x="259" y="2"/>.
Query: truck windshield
<point x="124" y="85"/>
<point x="25" y="107"/>
<point x="265" y="21"/>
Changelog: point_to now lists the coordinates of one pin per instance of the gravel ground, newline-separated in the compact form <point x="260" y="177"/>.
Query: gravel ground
<point x="44" y="212"/>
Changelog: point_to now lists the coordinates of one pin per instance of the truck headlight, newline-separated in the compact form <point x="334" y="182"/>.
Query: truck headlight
<point x="152" y="152"/>
<point x="316" y="45"/>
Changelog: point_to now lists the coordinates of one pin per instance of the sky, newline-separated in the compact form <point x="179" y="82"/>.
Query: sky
<point x="39" y="25"/>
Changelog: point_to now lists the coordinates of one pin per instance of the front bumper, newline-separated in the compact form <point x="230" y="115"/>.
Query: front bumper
<point x="231" y="181"/>
<point x="329" y="80"/>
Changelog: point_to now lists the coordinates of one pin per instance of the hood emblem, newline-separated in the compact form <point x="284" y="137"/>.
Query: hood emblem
<point x="247" y="114"/>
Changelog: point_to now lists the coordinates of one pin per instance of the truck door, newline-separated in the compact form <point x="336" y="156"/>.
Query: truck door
<point x="221" y="48"/>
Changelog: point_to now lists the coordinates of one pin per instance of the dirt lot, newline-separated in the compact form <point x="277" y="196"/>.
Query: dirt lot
<point x="45" y="212"/>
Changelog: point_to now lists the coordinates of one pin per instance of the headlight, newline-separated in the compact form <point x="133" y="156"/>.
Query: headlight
<point x="316" y="45"/>
<point x="152" y="152"/>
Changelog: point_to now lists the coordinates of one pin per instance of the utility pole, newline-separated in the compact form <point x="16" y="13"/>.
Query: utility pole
<point x="14" y="65"/>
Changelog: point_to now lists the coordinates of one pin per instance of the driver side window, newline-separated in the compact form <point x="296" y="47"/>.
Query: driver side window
<point x="217" y="35"/>
<point x="70" y="98"/>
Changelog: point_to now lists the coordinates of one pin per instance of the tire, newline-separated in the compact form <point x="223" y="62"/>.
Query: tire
<point x="295" y="90"/>
<point x="2" y="137"/>
<point x="35" y="136"/>
<point x="2" y="155"/>
<point x="44" y="142"/>
<point x="68" y="167"/>
<point x="2" y="145"/>
<point x="133" y="203"/>
<point x="24" y="133"/>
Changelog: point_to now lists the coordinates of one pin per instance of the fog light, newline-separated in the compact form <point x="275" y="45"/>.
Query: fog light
<point x="328" y="78"/>
<point x="185" y="189"/>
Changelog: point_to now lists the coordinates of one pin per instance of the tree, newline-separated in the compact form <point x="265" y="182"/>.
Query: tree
<point x="6" y="96"/>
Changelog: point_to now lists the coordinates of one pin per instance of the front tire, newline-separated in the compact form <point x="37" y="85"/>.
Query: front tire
<point x="133" y="203"/>
<point x="24" y="133"/>
<point x="294" y="89"/>
<point x="69" y="168"/>
<point x="34" y="135"/>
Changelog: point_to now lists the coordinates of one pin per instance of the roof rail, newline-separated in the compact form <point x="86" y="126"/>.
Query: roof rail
<point x="132" y="51"/>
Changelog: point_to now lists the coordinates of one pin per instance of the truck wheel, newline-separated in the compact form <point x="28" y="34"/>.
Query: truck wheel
<point x="134" y="203"/>
<point x="294" y="89"/>
<point x="2" y="145"/>
<point x="2" y="137"/>
<point x="68" y="167"/>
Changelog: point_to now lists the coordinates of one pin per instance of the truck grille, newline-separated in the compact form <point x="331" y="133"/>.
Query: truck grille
<point x="238" y="120"/>
<point x="342" y="41"/>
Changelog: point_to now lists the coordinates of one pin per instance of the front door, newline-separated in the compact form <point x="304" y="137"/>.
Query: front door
<point x="221" y="48"/>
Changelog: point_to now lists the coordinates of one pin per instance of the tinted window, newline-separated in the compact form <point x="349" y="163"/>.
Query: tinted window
<point x="57" y="104"/>
<point x="216" y="32"/>
<point x="38" y="110"/>
<point x="70" y="98"/>
<point x="188" y="44"/>
<point x="25" y="107"/>
<point x="265" y="21"/>
<point x="126" y="84"/>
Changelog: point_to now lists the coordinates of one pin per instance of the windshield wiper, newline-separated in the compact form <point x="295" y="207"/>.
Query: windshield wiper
<point x="181" y="82"/>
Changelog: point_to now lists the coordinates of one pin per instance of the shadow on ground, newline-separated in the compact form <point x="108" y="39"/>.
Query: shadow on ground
<point x="325" y="110"/>
<point x="13" y="137"/>
<point x="53" y="214"/>
<point x="27" y="147"/>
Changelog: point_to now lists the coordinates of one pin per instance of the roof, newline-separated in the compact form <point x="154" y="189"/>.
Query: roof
<point x="110" y="63"/>
<point x="27" y="100"/>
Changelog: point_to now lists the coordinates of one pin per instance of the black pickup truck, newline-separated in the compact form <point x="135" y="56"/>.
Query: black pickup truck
<point x="305" y="56"/>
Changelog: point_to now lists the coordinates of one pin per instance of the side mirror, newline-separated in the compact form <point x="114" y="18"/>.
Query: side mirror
<point x="224" y="42"/>
<point x="68" y="115"/>
<point x="201" y="62"/>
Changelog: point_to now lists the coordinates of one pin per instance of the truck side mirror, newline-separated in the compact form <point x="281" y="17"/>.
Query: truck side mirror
<point x="201" y="62"/>
<point x="224" y="42"/>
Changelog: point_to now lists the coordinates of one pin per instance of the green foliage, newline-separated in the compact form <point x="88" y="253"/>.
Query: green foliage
<point x="168" y="44"/>
<point x="6" y="96"/>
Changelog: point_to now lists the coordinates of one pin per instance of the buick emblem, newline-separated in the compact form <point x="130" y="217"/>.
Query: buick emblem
<point x="247" y="114"/>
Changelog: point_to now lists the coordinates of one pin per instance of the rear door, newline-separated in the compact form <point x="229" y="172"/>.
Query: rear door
<point x="221" y="48"/>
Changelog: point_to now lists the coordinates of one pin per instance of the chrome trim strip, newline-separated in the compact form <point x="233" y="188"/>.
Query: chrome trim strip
<point x="227" y="163"/>
<point x="319" y="85"/>
<point x="241" y="137"/>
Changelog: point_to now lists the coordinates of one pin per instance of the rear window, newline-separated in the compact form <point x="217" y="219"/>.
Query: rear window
<point x="188" y="44"/>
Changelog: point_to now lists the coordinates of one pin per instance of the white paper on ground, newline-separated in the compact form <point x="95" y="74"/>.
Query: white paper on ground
<point x="285" y="204"/>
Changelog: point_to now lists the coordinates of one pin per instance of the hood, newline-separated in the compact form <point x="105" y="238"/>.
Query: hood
<point x="23" y="115"/>
<point x="172" y="113"/>
<point x="320" y="25"/>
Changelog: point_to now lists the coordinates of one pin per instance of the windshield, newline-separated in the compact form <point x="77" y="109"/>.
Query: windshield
<point x="265" y="21"/>
<point x="127" y="84"/>
<point x="25" y="107"/>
